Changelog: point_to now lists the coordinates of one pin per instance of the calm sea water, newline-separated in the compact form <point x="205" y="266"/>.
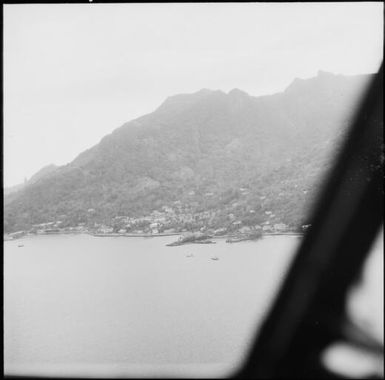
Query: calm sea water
<point x="84" y="305"/>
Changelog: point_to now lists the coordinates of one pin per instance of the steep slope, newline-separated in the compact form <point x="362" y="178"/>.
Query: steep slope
<point x="229" y="153"/>
<point x="13" y="189"/>
<point x="43" y="172"/>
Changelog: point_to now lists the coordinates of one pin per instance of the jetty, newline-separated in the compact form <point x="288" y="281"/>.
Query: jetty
<point x="255" y="235"/>
<point x="192" y="238"/>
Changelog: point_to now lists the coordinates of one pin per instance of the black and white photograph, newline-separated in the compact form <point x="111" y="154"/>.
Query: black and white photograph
<point x="193" y="190"/>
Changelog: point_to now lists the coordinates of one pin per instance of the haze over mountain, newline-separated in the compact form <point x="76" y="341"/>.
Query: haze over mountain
<point x="256" y="158"/>
<point x="37" y="176"/>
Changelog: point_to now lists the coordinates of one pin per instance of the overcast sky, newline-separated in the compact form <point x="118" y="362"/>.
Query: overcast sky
<point x="73" y="73"/>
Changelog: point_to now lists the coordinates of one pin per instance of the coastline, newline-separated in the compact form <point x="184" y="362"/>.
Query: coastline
<point x="181" y="233"/>
<point x="133" y="235"/>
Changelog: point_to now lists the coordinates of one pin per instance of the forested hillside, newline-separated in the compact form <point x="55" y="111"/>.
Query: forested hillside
<point x="229" y="156"/>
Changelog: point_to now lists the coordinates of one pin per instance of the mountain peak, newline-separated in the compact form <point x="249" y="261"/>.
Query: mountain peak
<point x="321" y="77"/>
<point x="237" y="92"/>
<point x="324" y="74"/>
<point x="180" y="101"/>
<point x="196" y="150"/>
<point x="204" y="91"/>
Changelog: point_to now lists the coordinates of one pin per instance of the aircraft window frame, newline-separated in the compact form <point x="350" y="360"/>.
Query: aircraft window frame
<point x="309" y="312"/>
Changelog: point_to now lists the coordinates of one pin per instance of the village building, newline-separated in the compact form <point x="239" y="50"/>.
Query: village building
<point x="220" y="231"/>
<point x="106" y="229"/>
<point x="17" y="234"/>
<point x="280" y="227"/>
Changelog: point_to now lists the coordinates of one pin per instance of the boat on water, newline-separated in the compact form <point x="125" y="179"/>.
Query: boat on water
<point x="20" y="245"/>
<point x="190" y="255"/>
<point x="215" y="258"/>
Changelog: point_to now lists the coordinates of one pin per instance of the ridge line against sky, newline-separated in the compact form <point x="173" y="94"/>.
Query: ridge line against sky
<point x="191" y="93"/>
<point x="75" y="72"/>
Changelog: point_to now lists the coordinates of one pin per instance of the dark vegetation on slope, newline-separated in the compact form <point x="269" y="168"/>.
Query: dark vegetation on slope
<point x="232" y="155"/>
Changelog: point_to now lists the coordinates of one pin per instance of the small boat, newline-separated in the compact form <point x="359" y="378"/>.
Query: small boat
<point x="214" y="258"/>
<point x="190" y="255"/>
<point x="20" y="245"/>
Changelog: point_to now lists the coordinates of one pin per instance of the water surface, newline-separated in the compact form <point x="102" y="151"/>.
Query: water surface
<point x="83" y="305"/>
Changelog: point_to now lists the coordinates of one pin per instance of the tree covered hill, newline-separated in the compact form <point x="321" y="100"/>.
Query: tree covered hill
<point x="36" y="177"/>
<point x="233" y="156"/>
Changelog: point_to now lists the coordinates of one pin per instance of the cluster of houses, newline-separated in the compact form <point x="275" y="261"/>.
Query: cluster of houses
<point x="47" y="228"/>
<point x="167" y="220"/>
<point x="171" y="220"/>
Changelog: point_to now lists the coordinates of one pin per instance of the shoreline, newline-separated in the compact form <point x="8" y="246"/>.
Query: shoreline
<point x="133" y="235"/>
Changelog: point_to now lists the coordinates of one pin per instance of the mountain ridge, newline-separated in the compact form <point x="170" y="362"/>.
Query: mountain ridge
<point x="202" y="143"/>
<point x="41" y="173"/>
